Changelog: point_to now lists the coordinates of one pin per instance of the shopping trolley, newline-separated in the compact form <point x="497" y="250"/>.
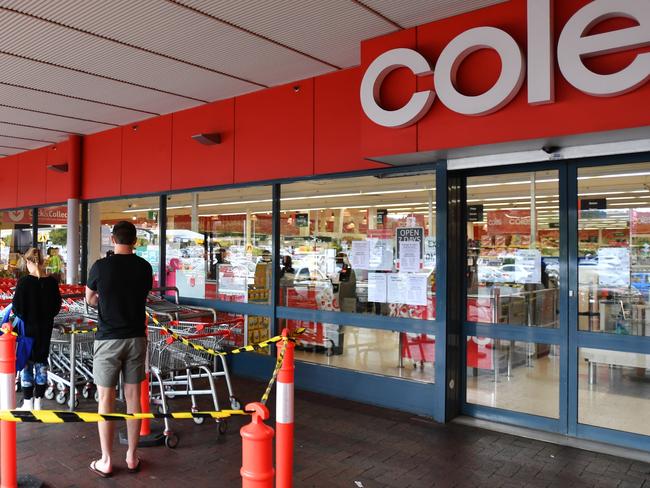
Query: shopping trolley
<point x="71" y="352"/>
<point x="168" y="356"/>
<point x="159" y="305"/>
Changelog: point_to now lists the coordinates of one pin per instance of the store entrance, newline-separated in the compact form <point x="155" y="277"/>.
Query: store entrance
<point x="512" y="327"/>
<point x="557" y="311"/>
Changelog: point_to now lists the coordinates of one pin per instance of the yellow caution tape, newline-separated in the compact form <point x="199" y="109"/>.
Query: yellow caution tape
<point x="80" y="331"/>
<point x="212" y="352"/>
<point x="63" y="416"/>
<point x="278" y="365"/>
<point x="4" y="331"/>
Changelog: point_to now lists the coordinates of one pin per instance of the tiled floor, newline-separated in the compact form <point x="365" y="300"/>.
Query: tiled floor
<point x="338" y="444"/>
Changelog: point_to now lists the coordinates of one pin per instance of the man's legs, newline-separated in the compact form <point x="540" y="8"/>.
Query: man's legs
<point x="106" y="429"/>
<point x="132" y="396"/>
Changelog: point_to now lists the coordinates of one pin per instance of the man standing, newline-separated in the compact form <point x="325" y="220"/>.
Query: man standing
<point x="119" y="286"/>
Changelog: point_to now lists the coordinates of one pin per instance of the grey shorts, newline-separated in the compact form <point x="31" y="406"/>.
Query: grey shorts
<point x="115" y="356"/>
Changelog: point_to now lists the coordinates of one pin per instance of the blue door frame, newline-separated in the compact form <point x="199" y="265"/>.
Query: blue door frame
<point x="567" y="336"/>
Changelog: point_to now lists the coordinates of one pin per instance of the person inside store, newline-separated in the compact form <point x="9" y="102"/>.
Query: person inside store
<point x="118" y="286"/>
<point x="54" y="263"/>
<point x="287" y="267"/>
<point x="36" y="301"/>
<point x="221" y="256"/>
<point x="347" y="283"/>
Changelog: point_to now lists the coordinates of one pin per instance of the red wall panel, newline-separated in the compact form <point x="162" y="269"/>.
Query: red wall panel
<point x="396" y="91"/>
<point x="337" y="128"/>
<point x="572" y="113"/>
<point x="101" y="172"/>
<point x="8" y="181"/>
<point x="147" y="156"/>
<point x="193" y="164"/>
<point x="274" y="133"/>
<point x="32" y="179"/>
<point x="57" y="185"/>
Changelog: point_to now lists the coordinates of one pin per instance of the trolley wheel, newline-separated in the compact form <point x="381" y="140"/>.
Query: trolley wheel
<point x="198" y="420"/>
<point x="223" y="426"/>
<point x="161" y="410"/>
<point x="169" y="392"/>
<point x="60" y="386"/>
<point x="235" y="404"/>
<point x="76" y="402"/>
<point x="49" y="393"/>
<point x="60" y="397"/>
<point x="171" y="441"/>
<point x="96" y="396"/>
<point x="85" y="392"/>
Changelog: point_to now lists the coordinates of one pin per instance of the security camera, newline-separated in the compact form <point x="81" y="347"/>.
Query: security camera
<point x="296" y="88"/>
<point x="550" y="149"/>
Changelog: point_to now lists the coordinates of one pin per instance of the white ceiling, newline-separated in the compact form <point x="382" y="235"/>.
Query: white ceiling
<point x="83" y="66"/>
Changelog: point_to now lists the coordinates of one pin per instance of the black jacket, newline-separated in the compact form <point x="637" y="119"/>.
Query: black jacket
<point x="37" y="301"/>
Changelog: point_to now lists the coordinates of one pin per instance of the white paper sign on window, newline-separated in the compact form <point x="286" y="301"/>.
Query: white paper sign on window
<point x="380" y="254"/>
<point x="409" y="256"/>
<point x="614" y="267"/>
<point x="377" y="287"/>
<point x="409" y="289"/>
<point x="360" y="255"/>
<point x="528" y="266"/>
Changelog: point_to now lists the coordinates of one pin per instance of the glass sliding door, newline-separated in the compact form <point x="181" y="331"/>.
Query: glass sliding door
<point x="512" y="305"/>
<point x="611" y="334"/>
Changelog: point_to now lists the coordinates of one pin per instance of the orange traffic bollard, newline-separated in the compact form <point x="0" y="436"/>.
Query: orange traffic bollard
<point x="8" y="469"/>
<point x="145" y="426"/>
<point x="257" y="449"/>
<point x="284" y="417"/>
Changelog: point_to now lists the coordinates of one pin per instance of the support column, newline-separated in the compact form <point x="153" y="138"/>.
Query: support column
<point x="432" y="227"/>
<point x="94" y="233"/>
<point x="195" y="212"/>
<point x="73" y="242"/>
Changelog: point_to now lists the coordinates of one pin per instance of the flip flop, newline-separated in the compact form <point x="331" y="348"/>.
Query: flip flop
<point x="99" y="472"/>
<point x="137" y="467"/>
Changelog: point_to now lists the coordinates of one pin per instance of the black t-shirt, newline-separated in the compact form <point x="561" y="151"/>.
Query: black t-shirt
<point x="37" y="301"/>
<point x="123" y="282"/>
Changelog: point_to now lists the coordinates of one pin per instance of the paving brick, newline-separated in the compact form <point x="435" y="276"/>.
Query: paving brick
<point x="337" y="443"/>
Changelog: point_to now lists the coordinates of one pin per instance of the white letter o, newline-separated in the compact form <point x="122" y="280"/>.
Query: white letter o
<point x="503" y="91"/>
<point x="374" y="76"/>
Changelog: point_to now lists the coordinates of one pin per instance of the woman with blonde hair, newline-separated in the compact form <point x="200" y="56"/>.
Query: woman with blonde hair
<point x="36" y="301"/>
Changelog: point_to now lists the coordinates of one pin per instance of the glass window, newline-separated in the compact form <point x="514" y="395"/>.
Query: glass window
<point x="53" y="240"/>
<point x="512" y="375"/>
<point x="219" y="244"/>
<point x="614" y="249"/>
<point x="15" y="240"/>
<point x="360" y="245"/>
<point x="614" y="390"/>
<point x="513" y="241"/>
<point x="143" y="212"/>
<point x="399" y="354"/>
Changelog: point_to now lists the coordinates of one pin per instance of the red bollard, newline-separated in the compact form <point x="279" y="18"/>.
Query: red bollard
<point x="145" y="425"/>
<point x="8" y="468"/>
<point x="284" y="417"/>
<point x="257" y="449"/>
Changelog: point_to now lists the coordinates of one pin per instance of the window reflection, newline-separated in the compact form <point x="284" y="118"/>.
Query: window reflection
<point x="614" y="390"/>
<point x="512" y="375"/>
<point x="614" y="249"/>
<point x="513" y="249"/>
